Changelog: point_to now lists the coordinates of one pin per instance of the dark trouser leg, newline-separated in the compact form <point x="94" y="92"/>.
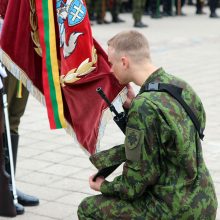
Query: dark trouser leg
<point x="91" y="9"/>
<point x="155" y="9"/>
<point x="16" y="106"/>
<point x="167" y="7"/>
<point x="100" y="11"/>
<point x="213" y="5"/>
<point x="138" y="10"/>
<point x="115" y="9"/>
<point x="198" y="6"/>
<point x="14" y="144"/>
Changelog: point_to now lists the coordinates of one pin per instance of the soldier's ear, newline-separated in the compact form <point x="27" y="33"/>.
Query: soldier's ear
<point x="125" y="62"/>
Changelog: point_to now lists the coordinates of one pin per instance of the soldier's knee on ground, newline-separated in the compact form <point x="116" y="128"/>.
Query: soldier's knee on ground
<point x="82" y="209"/>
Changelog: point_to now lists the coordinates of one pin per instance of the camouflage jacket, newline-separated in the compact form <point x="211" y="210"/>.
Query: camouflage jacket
<point x="164" y="168"/>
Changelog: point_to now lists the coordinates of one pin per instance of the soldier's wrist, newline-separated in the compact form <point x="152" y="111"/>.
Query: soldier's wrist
<point x="104" y="189"/>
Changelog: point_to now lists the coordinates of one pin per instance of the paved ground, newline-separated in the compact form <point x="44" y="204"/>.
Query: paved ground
<point x="51" y="167"/>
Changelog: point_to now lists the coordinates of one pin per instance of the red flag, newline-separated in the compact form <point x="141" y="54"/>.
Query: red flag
<point x="3" y="7"/>
<point x="72" y="65"/>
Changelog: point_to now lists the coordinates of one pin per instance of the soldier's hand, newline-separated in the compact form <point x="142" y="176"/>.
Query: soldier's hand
<point x="130" y="97"/>
<point x="96" y="185"/>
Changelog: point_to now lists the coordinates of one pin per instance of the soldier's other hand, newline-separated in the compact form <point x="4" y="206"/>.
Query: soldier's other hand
<point x="130" y="97"/>
<point x="96" y="185"/>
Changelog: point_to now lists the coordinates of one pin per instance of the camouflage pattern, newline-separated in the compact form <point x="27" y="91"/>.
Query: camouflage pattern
<point x="138" y="9"/>
<point x="108" y="158"/>
<point x="164" y="176"/>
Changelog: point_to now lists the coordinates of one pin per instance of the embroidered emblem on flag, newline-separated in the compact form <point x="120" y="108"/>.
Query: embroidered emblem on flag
<point x="77" y="12"/>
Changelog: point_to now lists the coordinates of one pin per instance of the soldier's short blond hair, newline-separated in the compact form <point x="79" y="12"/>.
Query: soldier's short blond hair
<point x="131" y="43"/>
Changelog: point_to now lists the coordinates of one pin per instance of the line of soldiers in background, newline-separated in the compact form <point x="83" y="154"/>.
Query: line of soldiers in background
<point x="97" y="9"/>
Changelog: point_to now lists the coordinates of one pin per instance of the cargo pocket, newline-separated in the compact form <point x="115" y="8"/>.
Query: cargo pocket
<point x="133" y="142"/>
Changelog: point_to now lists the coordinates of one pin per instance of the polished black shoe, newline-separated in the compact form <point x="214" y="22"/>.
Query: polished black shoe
<point x="139" y="24"/>
<point x="213" y="15"/>
<point x="27" y="200"/>
<point x="103" y="21"/>
<point x="100" y="21"/>
<point x="167" y="14"/>
<point x="117" y="20"/>
<point x="200" y="12"/>
<point x="106" y="22"/>
<point x="156" y="16"/>
<point x="19" y="209"/>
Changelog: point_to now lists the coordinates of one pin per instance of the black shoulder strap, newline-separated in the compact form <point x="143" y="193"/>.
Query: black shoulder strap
<point x="176" y="92"/>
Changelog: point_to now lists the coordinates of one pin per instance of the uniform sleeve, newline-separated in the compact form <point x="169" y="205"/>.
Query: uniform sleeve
<point x="141" y="168"/>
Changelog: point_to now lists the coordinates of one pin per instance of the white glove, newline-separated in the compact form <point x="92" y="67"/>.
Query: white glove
<point x="3" y="74"/>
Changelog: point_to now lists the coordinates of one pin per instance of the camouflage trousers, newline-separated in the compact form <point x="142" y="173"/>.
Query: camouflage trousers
<point x="111" y="208"/>
<point x="147" y="207"/>
<point x="138" y="9"/>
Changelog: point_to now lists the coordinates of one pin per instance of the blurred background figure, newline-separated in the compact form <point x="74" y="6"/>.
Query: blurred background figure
<point x="97" y="10"/>
<point x="155" y="8"/>
<point x="199" y="7"/>
<point x="126" y="6"/>
<point x="114" y="6"/>
<point x="138" y="11"/>
<point x="213" y="4"/>
<point x="168" y="8"/>
<point x="179" y="5"/>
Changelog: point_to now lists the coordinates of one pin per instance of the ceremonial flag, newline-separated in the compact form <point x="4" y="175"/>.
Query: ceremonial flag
<point x="49" y="46"/>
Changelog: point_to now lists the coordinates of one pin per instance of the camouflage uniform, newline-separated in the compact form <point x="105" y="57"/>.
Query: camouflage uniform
<point x="164" y="175"/>
<point x="138" y="9"/>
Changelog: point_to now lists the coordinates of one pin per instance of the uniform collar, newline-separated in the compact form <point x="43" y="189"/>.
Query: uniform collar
<point x="155" y="75"/>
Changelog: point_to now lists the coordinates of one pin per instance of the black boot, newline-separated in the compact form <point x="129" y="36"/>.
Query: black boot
<point x="139" y="24"/>
<point x="23" y="199"/>
<point x="27" y="200"/>
<point x="19" y="208"/>
<point x="116" y="19"/>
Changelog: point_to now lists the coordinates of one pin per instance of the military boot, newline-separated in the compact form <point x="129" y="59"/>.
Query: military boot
<point x="19" y="208"/>
<point x="23" y="199"/>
